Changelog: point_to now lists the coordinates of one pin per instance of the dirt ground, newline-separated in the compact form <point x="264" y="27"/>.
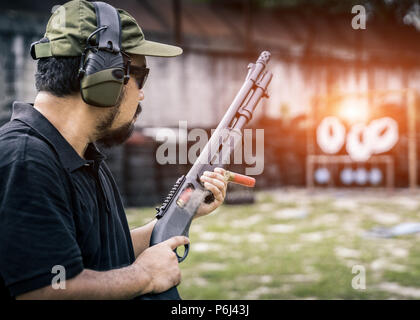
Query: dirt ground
<point x="296" y="244"/>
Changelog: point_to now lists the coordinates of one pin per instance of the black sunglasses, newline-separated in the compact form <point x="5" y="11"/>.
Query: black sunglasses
<point x="140" y="75"/>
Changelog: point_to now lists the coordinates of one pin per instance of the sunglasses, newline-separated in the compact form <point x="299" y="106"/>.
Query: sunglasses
<point x="140" y="75"/>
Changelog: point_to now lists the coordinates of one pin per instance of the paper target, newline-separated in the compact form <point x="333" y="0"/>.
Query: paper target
<point x="383" y="142"/>
<point x="358" y="144"/>
<point x="379" y="136"/>
<point x="322" y="175"/>
<point x="361" y="176"/>
<point x="375" y="176"/>
<point x="331" y="135"/>
<point x="346" y="176"/>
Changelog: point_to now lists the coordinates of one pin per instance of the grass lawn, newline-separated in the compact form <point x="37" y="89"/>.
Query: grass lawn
<point x="292" y="244"/>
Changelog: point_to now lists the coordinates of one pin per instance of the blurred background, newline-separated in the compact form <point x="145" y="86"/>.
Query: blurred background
<point x="341" y="157"/>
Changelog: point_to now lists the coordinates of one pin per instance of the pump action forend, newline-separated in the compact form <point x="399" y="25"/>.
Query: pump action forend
<point x="188" y="193"/>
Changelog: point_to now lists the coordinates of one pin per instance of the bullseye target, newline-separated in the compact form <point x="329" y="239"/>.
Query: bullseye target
<point x="331" y="135"/>
<point x="322" y="175"/>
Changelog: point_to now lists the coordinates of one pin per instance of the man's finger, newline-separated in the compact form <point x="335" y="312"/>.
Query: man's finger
<point x="177" y="241"/>
<point x="220" y="170"/>
<point x="216" y="192"/>
<point x="216" y="182"/>
<point x="216" y="177"/>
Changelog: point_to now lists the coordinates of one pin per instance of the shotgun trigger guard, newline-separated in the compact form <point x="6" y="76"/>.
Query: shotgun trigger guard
<point x="187" y="249"/>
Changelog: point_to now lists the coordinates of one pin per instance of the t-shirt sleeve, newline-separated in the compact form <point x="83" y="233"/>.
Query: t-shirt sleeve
<point x="37" y="229"/>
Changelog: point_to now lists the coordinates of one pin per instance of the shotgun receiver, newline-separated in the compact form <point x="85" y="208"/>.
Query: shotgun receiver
<point x="178" y="209"/>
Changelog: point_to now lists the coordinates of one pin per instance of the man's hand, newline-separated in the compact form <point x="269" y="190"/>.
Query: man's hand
<point x="160" y="264"/>
<point x="216" y="183"/>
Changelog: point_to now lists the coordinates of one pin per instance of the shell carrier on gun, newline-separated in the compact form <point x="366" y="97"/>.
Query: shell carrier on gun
<point x="188" y="193"/>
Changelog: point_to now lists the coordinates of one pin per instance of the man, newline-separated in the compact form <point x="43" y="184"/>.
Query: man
<point x="60" y="209"/>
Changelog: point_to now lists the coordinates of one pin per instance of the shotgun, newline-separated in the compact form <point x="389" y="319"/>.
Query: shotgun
<point x="178" y="209"/>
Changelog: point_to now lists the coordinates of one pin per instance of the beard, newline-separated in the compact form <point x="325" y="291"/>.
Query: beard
<point x="113" y="137"/>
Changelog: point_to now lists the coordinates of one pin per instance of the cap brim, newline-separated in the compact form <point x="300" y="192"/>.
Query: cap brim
<point x="155" y="49"/>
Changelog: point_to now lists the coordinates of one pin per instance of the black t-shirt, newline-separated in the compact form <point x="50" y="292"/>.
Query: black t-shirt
<point x="56" y="208"/>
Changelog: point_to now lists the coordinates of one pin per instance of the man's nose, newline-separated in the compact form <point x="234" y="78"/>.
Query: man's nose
<point x="141" y="95"/>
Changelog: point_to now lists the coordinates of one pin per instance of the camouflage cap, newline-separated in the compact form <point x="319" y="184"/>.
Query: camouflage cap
<point x="71" y="24"/>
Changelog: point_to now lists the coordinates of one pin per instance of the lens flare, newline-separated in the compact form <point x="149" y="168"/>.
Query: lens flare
<point x="354" y="110"/>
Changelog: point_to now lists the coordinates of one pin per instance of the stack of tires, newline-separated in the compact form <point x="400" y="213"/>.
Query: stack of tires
<point x="115" y="162"/>
<point x="140" y="178"/>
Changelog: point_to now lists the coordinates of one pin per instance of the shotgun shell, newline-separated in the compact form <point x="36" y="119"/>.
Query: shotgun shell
<point x="240" y="179"/>
<point x="184" y="197"/>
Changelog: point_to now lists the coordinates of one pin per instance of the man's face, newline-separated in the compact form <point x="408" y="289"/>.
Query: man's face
<point x="118" y="124"/>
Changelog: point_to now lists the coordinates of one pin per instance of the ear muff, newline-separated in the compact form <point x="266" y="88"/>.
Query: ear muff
<point x="102" y="72"/>
<point x="103" y="79"/>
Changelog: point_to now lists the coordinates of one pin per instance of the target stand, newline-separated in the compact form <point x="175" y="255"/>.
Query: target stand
<point x="326" y="163"/>
<point x="351" y="139"/>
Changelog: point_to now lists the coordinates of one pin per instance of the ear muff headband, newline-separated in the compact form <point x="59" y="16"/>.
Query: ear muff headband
<point x="102" y="72"/>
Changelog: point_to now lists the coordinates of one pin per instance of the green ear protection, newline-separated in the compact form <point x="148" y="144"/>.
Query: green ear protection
<point x="102" y="71"/>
